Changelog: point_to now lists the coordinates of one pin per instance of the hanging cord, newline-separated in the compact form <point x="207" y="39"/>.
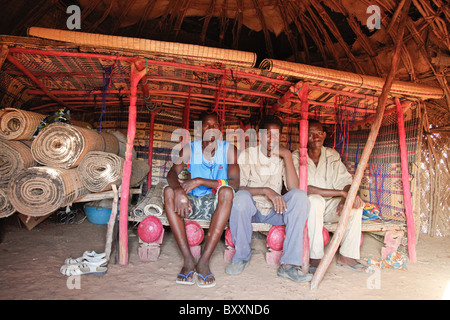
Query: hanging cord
<point x="107" y="80"/>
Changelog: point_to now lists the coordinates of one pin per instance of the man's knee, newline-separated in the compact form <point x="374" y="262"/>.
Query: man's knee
<point x="297" y="197"/>
<point x="168" y="193"/>
<point x="317" y="202"/>
<point x="225" y="194"/>
<point x="241" y="202"/>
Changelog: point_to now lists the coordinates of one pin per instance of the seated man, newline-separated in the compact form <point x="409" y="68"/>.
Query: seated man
<point x="328" y="184"/>
<point x="207" y="195"/>
<point x="263" y="170"/>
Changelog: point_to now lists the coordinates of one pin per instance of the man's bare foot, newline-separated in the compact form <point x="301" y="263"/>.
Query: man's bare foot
<point x="205" y="277"/>
<point x="345" y="261"/>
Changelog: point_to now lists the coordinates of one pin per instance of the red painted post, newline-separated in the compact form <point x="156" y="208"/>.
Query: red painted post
<point x="125" y="191"/>
<point x="410" y="226"/>
<point x="303" y="168"/>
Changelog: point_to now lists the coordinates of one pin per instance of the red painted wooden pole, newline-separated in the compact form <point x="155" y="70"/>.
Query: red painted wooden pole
<point x="303" y="168"/>
<point x="125" y="191"/>
<point x="410" y="225"/>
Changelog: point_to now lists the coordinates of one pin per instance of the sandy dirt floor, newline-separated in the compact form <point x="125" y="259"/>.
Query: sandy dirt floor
<point x="30" y="263"/>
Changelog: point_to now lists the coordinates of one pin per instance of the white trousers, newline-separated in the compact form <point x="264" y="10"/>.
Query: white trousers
<point x="324" y="210"/>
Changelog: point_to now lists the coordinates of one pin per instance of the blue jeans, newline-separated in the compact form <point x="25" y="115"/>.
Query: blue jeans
<point x="244" y="212"/>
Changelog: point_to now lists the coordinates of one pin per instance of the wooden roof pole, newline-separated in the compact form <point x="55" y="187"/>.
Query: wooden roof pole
<point x="135" y="76"/>
<point x="345" y="214"/>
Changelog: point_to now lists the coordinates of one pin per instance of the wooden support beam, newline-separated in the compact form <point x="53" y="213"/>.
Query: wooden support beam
<point x="135" y="76"/>
<point x="410" y="225"/>
<point x="345" y="213"/>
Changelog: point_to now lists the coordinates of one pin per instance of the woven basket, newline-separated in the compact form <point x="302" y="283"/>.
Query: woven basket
<point x="313" y="73"/>
<point x="189" y="51"/>
<point x="63" y="145"/>
<point x="37" y="191"/>
<point x="14" y="157"/>
<point x="16" y="124"/>
<point x="6" y="209"/>
<point x="99" y="170"/>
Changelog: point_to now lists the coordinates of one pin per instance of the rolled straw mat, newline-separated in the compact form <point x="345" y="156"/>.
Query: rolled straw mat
<point x="152" y="204"/>
<point x="179" y="50"/>
<point x="16" y="124"/>
<point x="6" y="209"/>
<point x="63" y="145"/>
<point x="99" y="170"/>
<point x="37" y="191"/>
<point x="14" y="157"/>
<point x="349" y="79"/>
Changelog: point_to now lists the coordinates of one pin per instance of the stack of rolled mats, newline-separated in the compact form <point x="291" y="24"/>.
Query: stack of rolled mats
<point x="61" y="164"/>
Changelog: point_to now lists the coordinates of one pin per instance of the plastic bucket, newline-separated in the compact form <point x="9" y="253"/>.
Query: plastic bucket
<point x="98" y="215"/>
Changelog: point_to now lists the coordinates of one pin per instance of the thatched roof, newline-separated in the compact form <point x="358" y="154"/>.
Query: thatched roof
<point x="329" y="34"/>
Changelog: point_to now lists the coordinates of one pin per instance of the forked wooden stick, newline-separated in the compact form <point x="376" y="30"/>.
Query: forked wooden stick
<point x="345" y="214"/>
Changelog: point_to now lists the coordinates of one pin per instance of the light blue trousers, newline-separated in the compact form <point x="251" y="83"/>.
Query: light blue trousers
<point x="244" y="212"/>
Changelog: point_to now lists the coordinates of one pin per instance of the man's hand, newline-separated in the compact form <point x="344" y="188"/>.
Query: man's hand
<point x="357" y="204"/>
<point x="190" y="184"/>
<point x="280" y="151"/>
<point x="182" y="204"/>
<point x="279" y="205"/>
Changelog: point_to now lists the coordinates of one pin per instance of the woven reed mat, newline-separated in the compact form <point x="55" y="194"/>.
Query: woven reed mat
<point x="123" y="144"/>
<point x="16" y="124"/>
<point x="180" y="50"/>
<point x="37" y="191"/>
<point x="308" y="72"/>
<point x="14" y="157"/>
<point x="63" y="145"/>
<point x="152" y="203"/>
<point x="6" y="209"/>
<point x="100" y="170"/>
<point x="139" y="172"/>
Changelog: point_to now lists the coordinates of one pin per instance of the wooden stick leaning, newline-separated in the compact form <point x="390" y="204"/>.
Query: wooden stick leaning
<point x="345" y="214"/>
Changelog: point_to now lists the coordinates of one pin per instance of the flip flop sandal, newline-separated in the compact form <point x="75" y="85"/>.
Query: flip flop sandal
<point x="357" y="267"/>
<point x="205" y="285"/>
<point x="87" y="256"/>
<point x="186" y="276"/>
<point x="83" y="269"/>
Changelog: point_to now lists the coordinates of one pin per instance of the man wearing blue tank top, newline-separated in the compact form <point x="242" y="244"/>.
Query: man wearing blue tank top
<point x="207" y="195"/>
